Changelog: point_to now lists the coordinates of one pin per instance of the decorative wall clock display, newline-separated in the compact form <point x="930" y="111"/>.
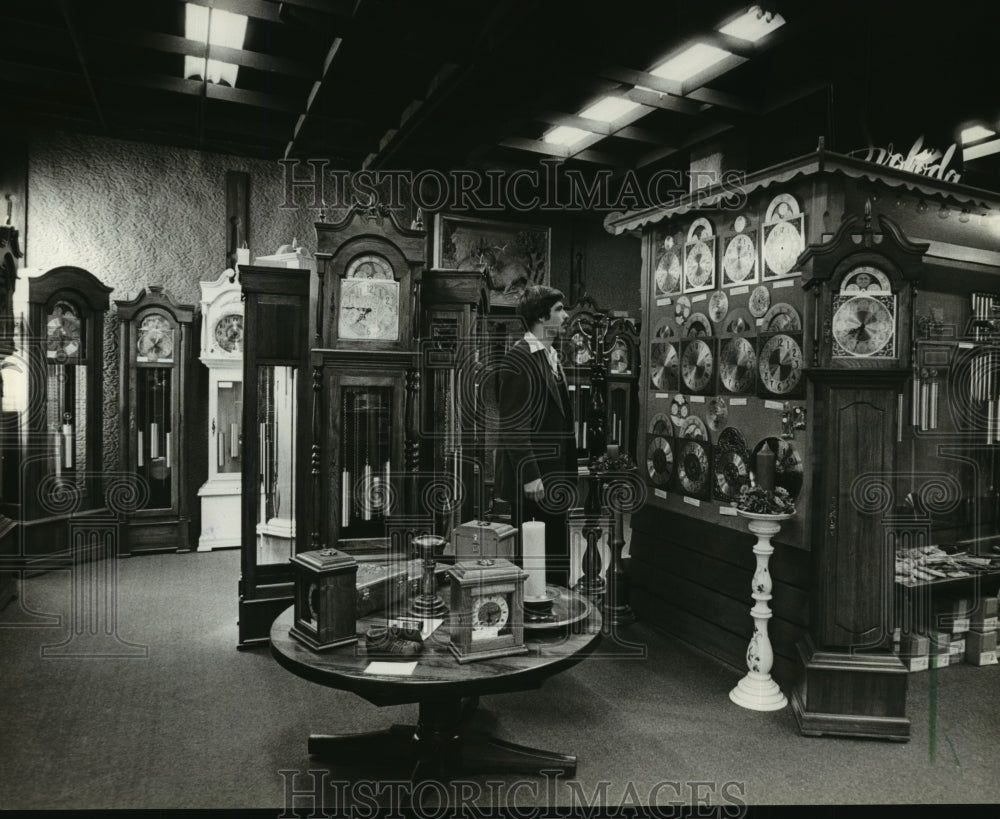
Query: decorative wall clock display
<point x="739" y="258"/>
<point x="718" y="305"/>
<point x="780" y="365"/>
<point x="760" y="300"/>
<point x="664" y="366"/>
<point x="699" y="259"/>
<point x="660" y="425"/>
<point x="697" y="365"/>
<point x="682" y="309"/>
<point x="693" y="469"/>
<point x="693" y="429"/>
<point x="679" y="409"/>
<point x="783" y="237"/>
<point x="697" y="326"/>
<point x="737" y="366"/>
<point x="667" y="273"/>
<point x="781" y="317"/>
<point x="663" y="330"/>
<point x="739" y="322"/>
<point x="659" y="460"/>
<point x="718" y="413"/>
<point x="788" y="470"/>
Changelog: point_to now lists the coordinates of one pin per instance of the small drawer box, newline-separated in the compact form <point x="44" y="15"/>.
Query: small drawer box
<point x="976" y="642"/>
<point x="484" y="539"/>
<point x="984" y="658"/>
<point x="920" y="663"/>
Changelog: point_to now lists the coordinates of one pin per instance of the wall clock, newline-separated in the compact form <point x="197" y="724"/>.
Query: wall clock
<point x="660" y="425"/>
<point x="697" y="326"/>
<point x="663" y="330"/>
<point x="737" y="366"/>
<point x="779" y="365"/>
<point x="697" y="366"/>
<point x="229" y="332"/>
<point x="667" y="274"/>
<point x="738" y="322"/>
<point x="369" y="310"/>
<point x="659" y="460"/>
<point x="760" y="300"/>
<point x="682" y="309"/>
<point x="781" y="317"/>
<point x="664" y="366"/>
<point x="717" y="413"/>
<point x="693" y="429"/>
<point x="739" y="258"/>
<point x="487" y="609"/>
<point x="679" y="409"/>
<point x="784" y="237"/>
<point x="699" y="259"/>
<point x="731" y="468"/>
<point x="693" y="469"/>
<point x="718" y="305"/>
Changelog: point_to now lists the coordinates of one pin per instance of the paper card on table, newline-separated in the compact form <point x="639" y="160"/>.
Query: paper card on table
<point x="391" y="669"/>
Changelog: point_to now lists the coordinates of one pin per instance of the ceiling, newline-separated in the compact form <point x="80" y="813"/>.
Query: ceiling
<point x="469" y="83"/>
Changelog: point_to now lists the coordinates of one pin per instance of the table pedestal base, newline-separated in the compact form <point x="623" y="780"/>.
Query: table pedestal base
<point x="439" y="747"/>
<point x="758" y="692"/>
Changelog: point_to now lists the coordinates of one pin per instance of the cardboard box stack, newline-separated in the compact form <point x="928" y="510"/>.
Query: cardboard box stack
<point x="981" y="639"/>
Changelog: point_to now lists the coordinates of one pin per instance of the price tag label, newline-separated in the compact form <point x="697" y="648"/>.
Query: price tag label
<point x="662" y="395"/>
<point x="660" y="493"/>
<point x="692" y="501"/>
<point x="775" y="405"/>
<point x="663" y="302"/>
<point x="729" y="511"/>
<point x="739" y="291"/>
<point x="699" y="297"/>
<point x="783" y="283"/>
<point x="737" y="402"/>
<point x="697" y="399"/>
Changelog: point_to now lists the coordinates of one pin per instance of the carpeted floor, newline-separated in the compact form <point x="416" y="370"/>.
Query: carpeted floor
<point x="163" y="712"/>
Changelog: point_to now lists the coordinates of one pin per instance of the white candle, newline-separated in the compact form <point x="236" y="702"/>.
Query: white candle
<point x="533" y="543"/>
<point x="67" y="431"/>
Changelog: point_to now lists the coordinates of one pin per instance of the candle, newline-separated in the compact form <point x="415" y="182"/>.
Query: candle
<point x="765" y="468"/>
<point x="67" y="431"/>
<point x="533" y="545"/>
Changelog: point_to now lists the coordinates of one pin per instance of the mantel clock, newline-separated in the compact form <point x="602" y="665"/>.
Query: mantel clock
<point x="862" y="283"/>
<point x="222" y="345"/>
<point x="154" y="357"/>
<point x="487" y="609"/>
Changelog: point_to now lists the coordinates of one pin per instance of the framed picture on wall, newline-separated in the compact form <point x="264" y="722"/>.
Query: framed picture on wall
<point x="511" y="254"/>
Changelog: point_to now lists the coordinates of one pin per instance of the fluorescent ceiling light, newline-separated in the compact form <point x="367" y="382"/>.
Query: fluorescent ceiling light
<point x="215" y="27"/>
<point x="564" y="135"/>
<point x="976" y="133"/>
<point x="690" y="62"/>
<point x="753" y="24"/>
<point x="981" y="150"/>
<point x="609" y="109"/>
<point x="196" y="22"/>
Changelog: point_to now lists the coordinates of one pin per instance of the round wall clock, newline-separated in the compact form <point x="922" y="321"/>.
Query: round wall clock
<point x="718" y="305"/>
<point x="697" y="366"/>
<point x="664" y="365"/>
<point x="619" y="360"/>
<point x="760" y="300"/>
<point x="731" y="474"/>
<point x="739" y="260"/>
<point x="369" y="310"/>
<point x="737" y="365"/>
<point x="780" y="364"/>
<point x="682" y="309"/>
<point x="155" y="338"/>
<point x="229" y="332"/>
<point x="660" y="425"/>
<point x="693" y="429"/>
<point x="667" y="275"/>
<point x="62" y="331"/>
<point x="864" y="326"/>
<point x="679" y="409"/>
<point x="693" y="468"/>
<point x="717" y="412"/>
<point x="369" y="266"/>
<point x="697" y="326"/>
<point x="659" y="460"/>
<point x="781" y="316"/>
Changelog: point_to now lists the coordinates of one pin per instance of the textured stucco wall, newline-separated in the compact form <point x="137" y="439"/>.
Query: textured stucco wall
<point x="136" y="215"/>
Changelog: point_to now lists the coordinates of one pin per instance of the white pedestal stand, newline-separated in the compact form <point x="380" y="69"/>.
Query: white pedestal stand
<point x="757" y="691"/>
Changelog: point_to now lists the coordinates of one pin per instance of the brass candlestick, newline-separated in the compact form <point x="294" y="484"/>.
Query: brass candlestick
<point x="428" y="604"/>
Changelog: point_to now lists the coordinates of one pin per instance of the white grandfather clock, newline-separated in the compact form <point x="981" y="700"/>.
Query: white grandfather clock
<point x="222" y="354"/>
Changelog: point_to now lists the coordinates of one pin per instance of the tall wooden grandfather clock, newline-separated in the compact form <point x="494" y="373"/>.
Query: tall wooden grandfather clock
<point x="154" y="357"/>
<point x="862" y="281"/>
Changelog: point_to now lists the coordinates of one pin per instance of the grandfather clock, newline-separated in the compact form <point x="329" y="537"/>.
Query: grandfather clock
<point x="154" y="356"/>
<point x="862" y="281"/>
<point x="222" y="346"/>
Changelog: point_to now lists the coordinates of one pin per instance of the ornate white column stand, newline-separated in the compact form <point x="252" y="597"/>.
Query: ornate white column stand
<point x="757" y="691"/>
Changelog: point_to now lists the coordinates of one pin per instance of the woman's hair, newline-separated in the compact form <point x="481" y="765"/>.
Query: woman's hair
<point x="536" y="303"/>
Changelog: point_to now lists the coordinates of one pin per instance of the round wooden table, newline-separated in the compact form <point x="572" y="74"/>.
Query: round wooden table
<point x="440" y="745"/>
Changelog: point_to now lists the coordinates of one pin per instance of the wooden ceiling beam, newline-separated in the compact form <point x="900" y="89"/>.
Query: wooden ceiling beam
<point x="177" y="85"/>
<point x="304" y="116"/>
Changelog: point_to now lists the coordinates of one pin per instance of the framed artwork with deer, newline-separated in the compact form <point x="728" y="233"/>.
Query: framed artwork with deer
<point x="511" y="254"/>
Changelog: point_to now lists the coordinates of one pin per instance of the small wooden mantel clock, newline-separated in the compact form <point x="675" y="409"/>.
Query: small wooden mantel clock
<point x="862" y="281"/>
<point x="487" y="609"/>
<point x="155" y="354"/>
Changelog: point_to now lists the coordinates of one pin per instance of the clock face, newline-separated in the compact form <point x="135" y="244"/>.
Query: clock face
<point x="780" y="364"/>
<point x="369" y="266"/>
<point x="865" y="279"/>
<point x="156" y="338"/>
<point x="697" y="326"/>
<point x="490" y="614"/>
<point x="664" y="365"/>
<point x="864" y="327"/>
<point x="667" y="276"/>
<point x="660" y="460"/>
<point x="732" y="473"/>
<point x="693" y="429"/>
<point x="369" y="310"/>
<point x="692" y="468"/>
<point x="63" y="332"/>
<point x="781" y="317"/>
<point x="737" y="365"/>
<point x="739" y="260"/>
<point x="679" y="409"/>
<point x="760" y="300"/>
<point x="229" y="333"/>
<point x="619" y="358"/>
<point x="682" y="309"/>
<point x="697" y="365"/>
<point x="660" y="425"/>
<point x="718" y="305"/>
<point x="699" y="268"/>
<point x="782" y="247"/>
<point x="581" y="352"/>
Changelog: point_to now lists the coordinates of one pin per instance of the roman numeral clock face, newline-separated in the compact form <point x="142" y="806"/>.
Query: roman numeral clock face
<point x="780" y="365"/>
<point x="864" y="316"/>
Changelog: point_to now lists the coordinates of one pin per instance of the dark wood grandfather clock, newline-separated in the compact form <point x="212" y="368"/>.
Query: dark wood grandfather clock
<point x="155" y="355"/>
<point x="862" y="281"/>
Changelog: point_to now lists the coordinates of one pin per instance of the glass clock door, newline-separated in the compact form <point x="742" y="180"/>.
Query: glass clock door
<point x="275" y="518"/>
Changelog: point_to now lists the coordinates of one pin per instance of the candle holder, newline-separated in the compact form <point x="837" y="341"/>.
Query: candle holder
<point x="539" y="609"/>
<point x="428" y="604"/>
<point x="757" y="690"/>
